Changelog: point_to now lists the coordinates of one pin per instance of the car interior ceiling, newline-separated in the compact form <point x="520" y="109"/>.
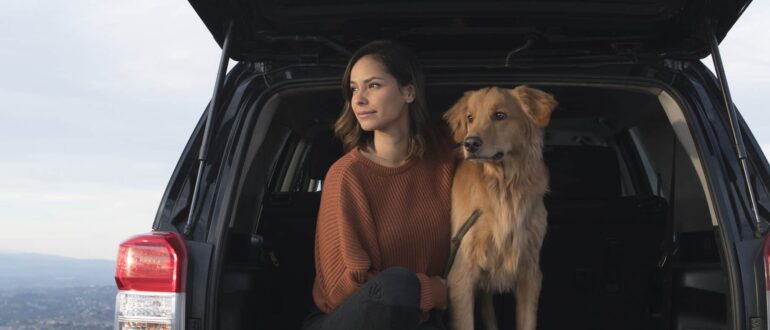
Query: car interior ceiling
<point x="609" y="212"/>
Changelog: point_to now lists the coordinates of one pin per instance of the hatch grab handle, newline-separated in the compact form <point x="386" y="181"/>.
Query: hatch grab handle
<point x="527" y="43"/>
<point x="213" y="106"/>
<point x="732" y="115"/>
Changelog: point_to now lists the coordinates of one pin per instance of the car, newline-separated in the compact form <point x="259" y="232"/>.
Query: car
<point x="658" y="205"/>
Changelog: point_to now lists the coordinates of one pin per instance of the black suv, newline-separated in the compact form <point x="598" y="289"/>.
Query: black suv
<point x="659" y="192"/>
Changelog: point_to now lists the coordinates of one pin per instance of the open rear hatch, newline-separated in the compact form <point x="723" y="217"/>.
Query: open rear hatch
<point x="480" y="30"/>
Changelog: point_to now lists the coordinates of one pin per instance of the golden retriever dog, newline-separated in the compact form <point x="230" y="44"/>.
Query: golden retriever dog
<point x="503" y="176"/>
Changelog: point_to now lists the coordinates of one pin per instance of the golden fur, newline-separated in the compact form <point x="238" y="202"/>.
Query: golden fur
<point x="505" y="178"/>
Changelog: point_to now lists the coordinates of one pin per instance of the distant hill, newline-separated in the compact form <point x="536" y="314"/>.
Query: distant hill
<point x="66" y="308"/>
<point x="29" y="270"/>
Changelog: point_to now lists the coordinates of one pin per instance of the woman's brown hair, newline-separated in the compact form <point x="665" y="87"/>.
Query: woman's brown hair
<point x="402" y="64"/>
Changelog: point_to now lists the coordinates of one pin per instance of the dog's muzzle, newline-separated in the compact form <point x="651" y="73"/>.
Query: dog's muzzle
<point x="472" y="143"/>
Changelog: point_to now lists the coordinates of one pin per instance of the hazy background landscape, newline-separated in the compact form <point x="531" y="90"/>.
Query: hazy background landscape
<point x="50" y="292"/>
<point x="98" y="98"/>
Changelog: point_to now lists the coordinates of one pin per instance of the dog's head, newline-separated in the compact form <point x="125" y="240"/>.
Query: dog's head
<point x="492" y="123"/>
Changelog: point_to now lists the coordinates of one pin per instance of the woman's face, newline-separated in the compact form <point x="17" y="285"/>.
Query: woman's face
<point x="377" y="100"/>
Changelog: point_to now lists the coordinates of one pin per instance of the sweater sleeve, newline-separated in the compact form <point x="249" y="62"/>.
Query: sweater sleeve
<point x="433" y="292"/>
<point x="345" y="244"/>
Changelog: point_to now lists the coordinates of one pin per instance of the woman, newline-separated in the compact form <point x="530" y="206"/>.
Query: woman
<point x="382" y="237"/>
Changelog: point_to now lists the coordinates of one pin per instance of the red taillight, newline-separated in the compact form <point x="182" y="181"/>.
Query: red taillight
<point x="150" y="274"/>
<point x="154" y="262"/>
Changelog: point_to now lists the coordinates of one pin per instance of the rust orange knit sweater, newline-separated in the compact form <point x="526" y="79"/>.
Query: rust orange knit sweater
<point x="373" y="217"/>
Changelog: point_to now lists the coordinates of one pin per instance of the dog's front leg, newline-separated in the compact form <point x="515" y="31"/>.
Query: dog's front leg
<point x="461" y="281"/>
<point x="527" y="293"/>
<point x="487" y="307"/>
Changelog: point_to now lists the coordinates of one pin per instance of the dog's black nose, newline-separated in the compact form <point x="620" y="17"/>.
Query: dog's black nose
<point x="472" y="143"/>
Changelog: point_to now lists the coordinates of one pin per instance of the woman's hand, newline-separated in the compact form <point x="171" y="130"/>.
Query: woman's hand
<point x="441" y="299"/>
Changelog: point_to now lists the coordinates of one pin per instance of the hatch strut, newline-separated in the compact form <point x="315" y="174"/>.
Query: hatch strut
<point x="215" y="103"/>
<point x="732" y="115"/>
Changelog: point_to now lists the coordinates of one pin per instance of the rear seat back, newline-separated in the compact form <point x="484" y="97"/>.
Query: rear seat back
<point x="601" y="248"/>
<point x="289" y="233"/>
<point x="580" y="173"/>
<point x="598" y="258"/>
<point x="288" y="225"/>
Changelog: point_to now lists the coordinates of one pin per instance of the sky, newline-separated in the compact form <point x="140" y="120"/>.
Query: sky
<point x="99" y="98"/>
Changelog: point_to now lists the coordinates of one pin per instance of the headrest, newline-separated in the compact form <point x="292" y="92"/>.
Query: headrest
<point x="583" y="172"/>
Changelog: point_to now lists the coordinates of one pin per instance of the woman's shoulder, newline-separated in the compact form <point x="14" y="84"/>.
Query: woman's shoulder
<point x="346" y="167"/>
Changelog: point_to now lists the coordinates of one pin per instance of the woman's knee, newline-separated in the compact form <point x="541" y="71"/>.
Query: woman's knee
<point x="396" y="286"/>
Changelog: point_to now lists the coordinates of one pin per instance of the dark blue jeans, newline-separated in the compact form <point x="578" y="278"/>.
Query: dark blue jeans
<point x="390" y="300"/>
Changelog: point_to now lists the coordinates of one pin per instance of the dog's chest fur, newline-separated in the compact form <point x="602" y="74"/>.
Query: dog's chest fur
<point x="505" y="235"/>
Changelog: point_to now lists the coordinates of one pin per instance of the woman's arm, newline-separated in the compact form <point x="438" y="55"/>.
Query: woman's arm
<point x="346" y="244"/>
<point x="433" y="292"/>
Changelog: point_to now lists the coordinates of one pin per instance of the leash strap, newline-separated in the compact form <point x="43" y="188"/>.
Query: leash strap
<point x="458" y="238"/>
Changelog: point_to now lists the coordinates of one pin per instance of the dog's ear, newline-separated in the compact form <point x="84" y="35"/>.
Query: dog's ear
<point x="456" y="118"/>
<point x="536" y="103"/>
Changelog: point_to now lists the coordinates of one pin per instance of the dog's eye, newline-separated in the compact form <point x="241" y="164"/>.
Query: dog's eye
<point x="500" y="115"/>
<point x="470" y="118"/>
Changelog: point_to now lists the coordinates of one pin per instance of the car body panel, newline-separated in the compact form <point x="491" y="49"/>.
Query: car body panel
<point x="329" y="30"/>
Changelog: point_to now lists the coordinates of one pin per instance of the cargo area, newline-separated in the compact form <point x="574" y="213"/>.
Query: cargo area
<point x="630" y="241"/>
